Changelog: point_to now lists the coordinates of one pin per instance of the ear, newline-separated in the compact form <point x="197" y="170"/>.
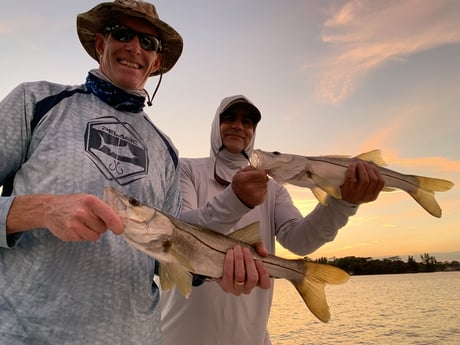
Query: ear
<point x="156" y="65"/>
<point x="100" y="44"/>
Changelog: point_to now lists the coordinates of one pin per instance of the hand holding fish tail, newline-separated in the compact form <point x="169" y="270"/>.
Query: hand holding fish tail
<point x="250" y="185"/>
<point x="242" y="272"/>
<point x="363" y="183"/>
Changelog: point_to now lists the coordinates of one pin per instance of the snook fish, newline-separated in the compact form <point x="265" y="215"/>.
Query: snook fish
<point x="183" y="248"/>
<point x="325" y="174"/>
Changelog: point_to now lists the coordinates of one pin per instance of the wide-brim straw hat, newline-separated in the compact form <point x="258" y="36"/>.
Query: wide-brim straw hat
<point x="94" y="21"/>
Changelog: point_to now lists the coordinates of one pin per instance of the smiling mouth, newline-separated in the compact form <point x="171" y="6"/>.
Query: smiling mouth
<point x="231" y="135"/>
<point x="129" y="64"/>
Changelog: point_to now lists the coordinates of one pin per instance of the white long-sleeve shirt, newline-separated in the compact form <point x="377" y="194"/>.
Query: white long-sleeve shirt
<point x="210" y="316"/>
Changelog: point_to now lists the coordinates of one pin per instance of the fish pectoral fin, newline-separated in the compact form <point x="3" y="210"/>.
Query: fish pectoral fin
<point x="326" y="186"/>
<point x="320" y="195"/>
<point x="175" y="275"/>
<point x="312" y="286"/>
<point x="374" y="156"/>
<point x="249" y="234"/>
<point x="388" y="189"/>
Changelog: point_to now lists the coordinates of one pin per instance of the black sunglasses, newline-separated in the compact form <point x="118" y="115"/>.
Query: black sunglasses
<point x="124" y="34"/>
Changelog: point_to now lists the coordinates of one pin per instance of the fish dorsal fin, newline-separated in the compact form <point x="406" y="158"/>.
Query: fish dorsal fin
<point x="249" y="234"/>
<point x="326" y="186"/>
<point x="374" y="156"/>
<point x="175" y="275"/>
<point x="320" y="195"/>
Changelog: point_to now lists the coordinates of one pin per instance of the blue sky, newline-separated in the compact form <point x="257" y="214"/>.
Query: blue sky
<point x="330" y="77"/>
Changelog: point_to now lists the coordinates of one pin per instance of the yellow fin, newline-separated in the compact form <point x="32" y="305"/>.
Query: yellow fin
<point x="175" y="275"/>
<point x="388" y="189"/>
<point x="249" y="234"/>
<point x="320" y="195"/>
<point x="326" y="186"/>
<point x="434" y="184"/>
<point x="374" y="156"/>
<point x="311" y="287"/>
<point x="425" y="193"/>
<point x="426" y="199"/>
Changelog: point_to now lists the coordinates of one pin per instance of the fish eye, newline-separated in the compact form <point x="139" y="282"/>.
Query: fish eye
<point x="167" y="244"/>
<point x="276" y="153"/>
<point x="134" y="202"/>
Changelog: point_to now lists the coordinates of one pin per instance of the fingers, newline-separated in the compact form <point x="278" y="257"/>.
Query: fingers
<point x="226" y="281"/>
<point x="250" y="185"/>
<point x="363" y="183"/>
<point x="239" y="265"/>
<point x="242" y="273"/>
<point x="106" y="218"/>
<point x="261" y="249"/>
<point x="378" y="181"/>
<point x="264" y="279"/>
<point x="81" y="217"/>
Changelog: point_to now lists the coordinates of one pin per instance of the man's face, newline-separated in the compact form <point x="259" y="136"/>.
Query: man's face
<point x="236" y="129"/>
<point x="127" y="64"/>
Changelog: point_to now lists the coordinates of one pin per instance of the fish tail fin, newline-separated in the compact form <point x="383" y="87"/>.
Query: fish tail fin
<point x="425" y="193"/>
<point x="434" y="184"/>
<point x="311" y="286"/>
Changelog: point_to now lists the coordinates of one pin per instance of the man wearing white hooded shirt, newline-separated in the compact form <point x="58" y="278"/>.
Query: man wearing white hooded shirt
<point x="211" y="316"/>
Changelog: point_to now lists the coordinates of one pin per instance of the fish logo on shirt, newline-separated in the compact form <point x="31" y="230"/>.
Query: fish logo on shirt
<point x="116" y="149"/>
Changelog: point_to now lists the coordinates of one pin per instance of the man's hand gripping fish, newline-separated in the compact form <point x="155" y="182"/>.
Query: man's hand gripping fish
<point x="182" y="248"/>
<point x="325" y="174"/>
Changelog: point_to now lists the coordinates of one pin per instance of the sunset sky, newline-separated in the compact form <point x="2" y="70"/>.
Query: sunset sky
<point x="329" y="76"/>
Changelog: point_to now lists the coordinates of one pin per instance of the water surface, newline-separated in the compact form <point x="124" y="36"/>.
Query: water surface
<point x="402" y="309"/>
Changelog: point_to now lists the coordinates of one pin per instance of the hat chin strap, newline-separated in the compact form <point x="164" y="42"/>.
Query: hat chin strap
<point x="150" y="99"/>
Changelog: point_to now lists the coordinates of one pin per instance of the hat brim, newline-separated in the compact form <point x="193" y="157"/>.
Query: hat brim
<point x="243" y="103"/>
<point x="94" y="21"/>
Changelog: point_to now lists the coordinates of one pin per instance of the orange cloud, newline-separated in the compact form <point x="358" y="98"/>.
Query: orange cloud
<point x="364" y="35"/>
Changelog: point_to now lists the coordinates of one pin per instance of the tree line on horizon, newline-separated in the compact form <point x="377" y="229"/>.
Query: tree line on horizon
<point x="392" y="265"/>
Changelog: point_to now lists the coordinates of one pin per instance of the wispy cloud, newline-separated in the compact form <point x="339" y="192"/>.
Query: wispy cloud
<point x="5" y="28"/>
<point x="363" y="35"/>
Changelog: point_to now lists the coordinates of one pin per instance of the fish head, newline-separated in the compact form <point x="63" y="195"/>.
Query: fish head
<point x="144" y="225"/>
<point x="264" y="159"/>
<point x="281" y="167"/>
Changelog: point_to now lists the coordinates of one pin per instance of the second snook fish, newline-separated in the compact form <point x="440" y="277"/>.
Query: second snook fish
<point x="325" y="174"/>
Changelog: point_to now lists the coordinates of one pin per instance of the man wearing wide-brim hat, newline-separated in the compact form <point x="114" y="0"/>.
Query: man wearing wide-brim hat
<point x="64" y="278"/>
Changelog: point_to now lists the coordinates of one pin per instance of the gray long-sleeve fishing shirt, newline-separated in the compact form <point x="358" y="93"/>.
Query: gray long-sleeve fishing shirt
<point x="56" y="292"/>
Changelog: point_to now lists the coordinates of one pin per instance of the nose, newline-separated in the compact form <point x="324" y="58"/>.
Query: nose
<point x="237" y="123"/>
<point x="134" y="45"/>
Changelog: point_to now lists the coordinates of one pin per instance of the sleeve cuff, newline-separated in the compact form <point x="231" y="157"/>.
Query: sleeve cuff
<point x="7" y="241"/>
